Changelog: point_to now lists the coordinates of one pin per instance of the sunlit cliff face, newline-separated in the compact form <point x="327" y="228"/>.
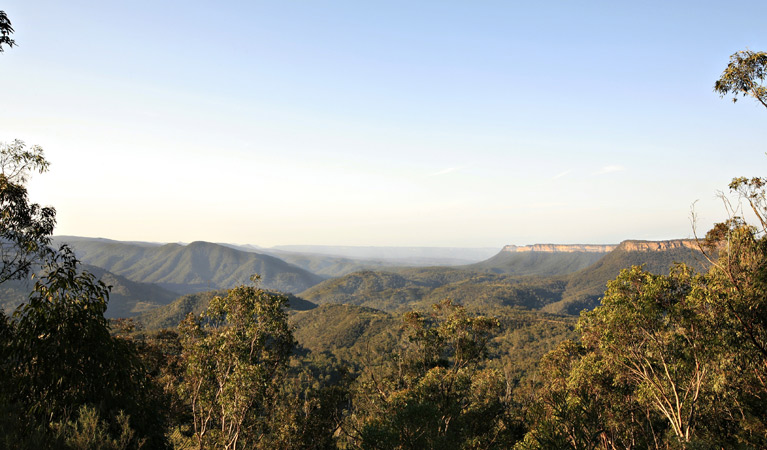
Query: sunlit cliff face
<point x="629" y="246"/>
<point x="657" y="246"/>
<point x="557" y="248"/>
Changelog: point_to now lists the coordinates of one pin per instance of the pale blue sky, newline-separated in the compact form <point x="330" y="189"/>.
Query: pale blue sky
<point x="381" y="123"/>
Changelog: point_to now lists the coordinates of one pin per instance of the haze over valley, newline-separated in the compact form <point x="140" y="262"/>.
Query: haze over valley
<point x="548" y="277"/>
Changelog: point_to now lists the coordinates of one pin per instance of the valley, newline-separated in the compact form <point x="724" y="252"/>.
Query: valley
<point x="170" y="280"/>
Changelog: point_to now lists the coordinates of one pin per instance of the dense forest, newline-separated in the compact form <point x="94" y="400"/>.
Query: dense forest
<point x="408" y="358"/>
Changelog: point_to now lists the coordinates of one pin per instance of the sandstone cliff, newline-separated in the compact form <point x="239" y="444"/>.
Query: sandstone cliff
<point x="657" y="246"/>
<point x="560" y="248"/>
<point x="629" y="246"/>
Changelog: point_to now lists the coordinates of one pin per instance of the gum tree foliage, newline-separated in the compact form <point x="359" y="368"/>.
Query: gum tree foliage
<point x="738" y="294"/>
<point x="666" y="360"/>
<point x="745" y="75"/>
<point x="61" y="357"/>
<point x="5" y="32"/>
<point x="654" y="331"/>
<point x="312" y="402"/>
<point x="235" y="354"/>
<point x="738" y="277"/>
<point x="581" y="403"/>
<point x="64" y="308"/>
<point x="641" y="376"/>
<point x="737" y="297"/>
<point x="25" y="228"/>
<point x="437" y="393"/>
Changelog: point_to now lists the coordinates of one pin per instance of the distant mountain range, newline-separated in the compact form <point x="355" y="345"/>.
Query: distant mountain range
<point x="403" y="289"/>
<point x="553" y="278"/>
<point x="559" y="248"/>
<point x="562" y="279"/>
<point x="558" y="259"/>
<point x="196" y="267"/>
<point x="585" y="287"/>
<point x="325" y="265"/>
<point x="401" y="256"/>
<point x="541" y="263"/>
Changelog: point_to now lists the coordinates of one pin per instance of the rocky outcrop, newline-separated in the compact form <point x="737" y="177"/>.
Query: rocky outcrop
<point x="629" y="246"/>
<point x="657" y="246"/>
<point x="560" y="248"/>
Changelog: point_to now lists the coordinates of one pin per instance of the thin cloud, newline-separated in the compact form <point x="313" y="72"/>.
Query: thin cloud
<point x="444" y="171"/>
<point x="609" y="169"/>
<point x="548" y="205"/>
<point x="566" y="172"/>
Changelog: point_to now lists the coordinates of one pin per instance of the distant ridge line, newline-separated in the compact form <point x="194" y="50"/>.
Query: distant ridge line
<point x="631" y="245"/>
<point x="561" y="248"/>
<point x="658" y="246"/>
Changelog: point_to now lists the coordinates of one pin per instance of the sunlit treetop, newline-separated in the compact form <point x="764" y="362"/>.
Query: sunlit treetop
<point x="5" y="32"/>
<point x="745" y="75"/>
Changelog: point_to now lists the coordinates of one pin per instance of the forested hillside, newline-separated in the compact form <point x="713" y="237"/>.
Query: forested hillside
<point x="542" y="263"/>
<point x="175" y="269"/>
<point x="127" y="298"/>
<point x="329" y="266"/>
<point x="170" y="315"/>
<point x="585" y="288"/>
<point x="196" y="267"/>
<point x="407" y="288"/>
<point x="399" y="256"/>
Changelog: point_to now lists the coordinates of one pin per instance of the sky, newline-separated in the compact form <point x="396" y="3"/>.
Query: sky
<point x="397" y="123"/>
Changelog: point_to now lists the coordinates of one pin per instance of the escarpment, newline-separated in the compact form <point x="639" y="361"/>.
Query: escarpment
<point x="657" y="246"/>
<point x="630" y="245"/>
<point x="560" y="248"/>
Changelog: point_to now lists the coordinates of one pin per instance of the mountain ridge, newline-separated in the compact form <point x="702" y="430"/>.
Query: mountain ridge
<point x="560" y="248"/>
<point x="633" y="245"/>
<point x="197" y="266"/>
<point x="554" y="282"/>
<point x="637" y="245"/>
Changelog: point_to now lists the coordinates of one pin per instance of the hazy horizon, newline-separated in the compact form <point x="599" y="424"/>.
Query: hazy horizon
<point x="303" y="247"/>
<point x="436" y="124"/>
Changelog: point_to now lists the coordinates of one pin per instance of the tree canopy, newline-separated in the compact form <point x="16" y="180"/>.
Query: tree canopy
<point x="25" y="228"/>
<point x="745" y="76"/>
<point x="5" y="32"/>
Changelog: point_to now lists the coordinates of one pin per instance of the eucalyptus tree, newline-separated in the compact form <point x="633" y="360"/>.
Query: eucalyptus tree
<point x="745" y="75"/>
<point x="438" y="391"/>
<point x="656" y="332"/>
<point x="60" y="359"/>
<point x="235" y="355"/>
<point x="5" y="31"/>
<point x="25" y="228"/>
